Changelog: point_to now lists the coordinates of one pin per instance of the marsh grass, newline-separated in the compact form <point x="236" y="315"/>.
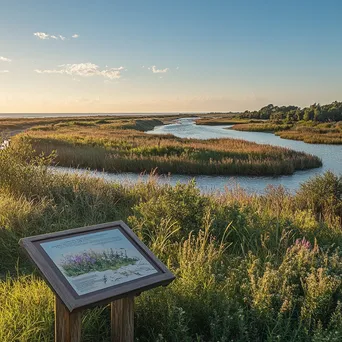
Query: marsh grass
<point x="309" y="132"/>
<point x="248" y="267"/>
<point x="312" y="137"/>
<point x="9" y="124"/>
<point x="223" y="121"/>
<point x="120" y="148"/>
<point x="261" y="127"/>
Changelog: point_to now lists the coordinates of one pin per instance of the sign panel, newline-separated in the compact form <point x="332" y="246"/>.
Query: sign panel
<point x="97" y="264"/>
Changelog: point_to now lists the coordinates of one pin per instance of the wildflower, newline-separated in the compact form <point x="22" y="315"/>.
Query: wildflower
<point x="303" y="243"/>
<point x="78" y="259"/>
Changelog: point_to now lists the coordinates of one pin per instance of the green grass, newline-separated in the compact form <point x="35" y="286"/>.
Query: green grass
<point x="24" y="123"/>
<point x="221" y="121"/>
<point x="323" y="133"/>
<point x="248" y="267"/>
<point x="123" y="147"/>
<point x="309" y="132"/>
<point x="261" y="127"/>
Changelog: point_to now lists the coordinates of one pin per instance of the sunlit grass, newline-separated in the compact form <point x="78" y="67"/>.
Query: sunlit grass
<point x="222" y="121"/>
<point x="309" y="132"/>
<point x="120" y="148"/>
<point x="261" y="127"/>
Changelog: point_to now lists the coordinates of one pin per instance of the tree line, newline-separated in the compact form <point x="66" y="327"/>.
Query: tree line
<point x="315" y="112"/>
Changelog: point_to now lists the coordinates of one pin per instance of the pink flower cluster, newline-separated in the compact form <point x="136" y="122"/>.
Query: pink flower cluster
<point x="303" y="243"/>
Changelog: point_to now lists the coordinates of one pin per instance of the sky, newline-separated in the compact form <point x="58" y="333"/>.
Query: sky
<point x="168" y="56"/>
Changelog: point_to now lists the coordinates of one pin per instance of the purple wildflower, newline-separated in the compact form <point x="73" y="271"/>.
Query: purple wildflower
<point x="303" y="243"/>
<point x="78" y="259"/>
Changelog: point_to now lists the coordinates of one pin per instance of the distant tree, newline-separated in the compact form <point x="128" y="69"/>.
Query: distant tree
<point x="316" y="112"/>
<point x="265" y="112"/>
<point x="291" y="115"/>
<point x="309" y="113"/>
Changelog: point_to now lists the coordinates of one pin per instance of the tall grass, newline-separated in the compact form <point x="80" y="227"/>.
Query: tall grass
<point x="249" y="267"/>
<point x="309" y="132"/>
<point x="262" y="127"/>
<point x="312" y="137"/>
<point x="222" y="121"/>
<point x="122" y="149"/>
<point x="17" y="124"/>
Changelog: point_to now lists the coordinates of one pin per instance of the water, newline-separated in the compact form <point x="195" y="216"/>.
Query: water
<point x="331" y="156"/>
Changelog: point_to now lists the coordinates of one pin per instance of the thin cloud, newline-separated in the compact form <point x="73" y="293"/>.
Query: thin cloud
<point x="75" y="35"/>
<point x="41" y="35"/>
<point x="46" y="36"/>
<point x="4" y="59"/>
<point x="4" y="71"/>
<point x="158" y="71"/>
<point x="84" y="70"/>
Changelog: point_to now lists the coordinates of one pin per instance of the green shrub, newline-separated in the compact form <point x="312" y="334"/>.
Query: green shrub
<point x="323" y="195"/>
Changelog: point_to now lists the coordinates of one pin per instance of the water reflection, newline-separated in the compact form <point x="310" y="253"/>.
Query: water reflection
<point x="331" y="156"/>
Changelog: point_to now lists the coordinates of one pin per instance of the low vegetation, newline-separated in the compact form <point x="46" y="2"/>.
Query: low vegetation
<point x="309" y="132"/>
<point x="248" y="267"/>
<point x="221" y="121"/>
<point x="324" y="133"/>
<point x="122" y="146"/>
<point x="16" y="124"/>
<point x="269" y="127"/>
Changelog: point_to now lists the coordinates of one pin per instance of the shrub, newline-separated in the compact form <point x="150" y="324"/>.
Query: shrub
<point x="323" y="195"/>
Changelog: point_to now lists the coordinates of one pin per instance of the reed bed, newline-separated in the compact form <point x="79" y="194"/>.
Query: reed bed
<point x="119" y="148"/>
<point x="261" y="127"/>
<point x="314" y="135"/>
<point x="221" y="121"/>
<point x="10" y="124"/>
<point x="248" y="267"/>
<point x="309" y="132"/>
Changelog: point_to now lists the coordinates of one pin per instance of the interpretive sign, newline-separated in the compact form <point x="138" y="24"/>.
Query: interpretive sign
<point x="95" y="265"/>
<point x="98" y="260"/>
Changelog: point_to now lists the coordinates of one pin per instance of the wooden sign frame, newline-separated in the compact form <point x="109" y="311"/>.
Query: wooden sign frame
<point x="66" y="293"/>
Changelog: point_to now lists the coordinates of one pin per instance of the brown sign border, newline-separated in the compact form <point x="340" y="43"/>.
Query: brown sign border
<point x="61" y="287"/>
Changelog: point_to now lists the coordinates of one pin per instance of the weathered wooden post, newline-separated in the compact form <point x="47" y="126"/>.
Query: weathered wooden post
<point x="122" y="320"/>
<point x="95" y="265"/>
<point x="67" y="324"/>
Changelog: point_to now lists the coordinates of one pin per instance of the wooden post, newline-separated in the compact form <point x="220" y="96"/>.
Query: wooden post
<point x="122" y="320"/>
<point x="67" y="325"/>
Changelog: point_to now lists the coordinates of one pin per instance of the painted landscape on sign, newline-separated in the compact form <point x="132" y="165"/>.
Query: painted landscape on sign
<point x="96" y="261"/>
<point x="81" y="263"/>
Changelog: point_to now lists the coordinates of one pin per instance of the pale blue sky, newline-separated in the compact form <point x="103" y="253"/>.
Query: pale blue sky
<point x="168" y="56"/>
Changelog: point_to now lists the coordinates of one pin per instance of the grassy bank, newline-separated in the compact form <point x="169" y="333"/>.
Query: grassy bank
<point x="324" y="133"/>
<point x="309" y="132"/>
<point x="122" y="147"/>
<point x="221" y="121"/>
<point x="9" y="126"/>
<point x="248" y="267"/>
<point x="268" y="127"/>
